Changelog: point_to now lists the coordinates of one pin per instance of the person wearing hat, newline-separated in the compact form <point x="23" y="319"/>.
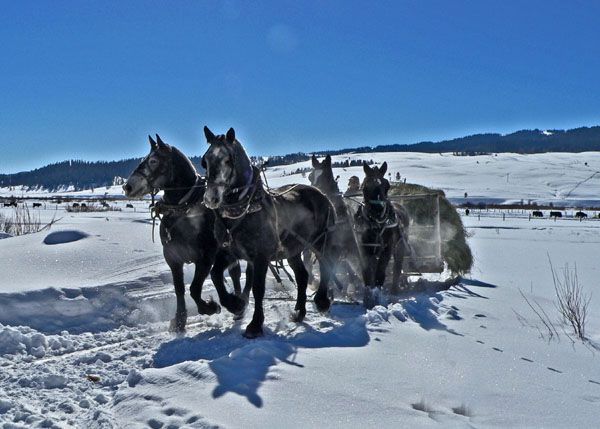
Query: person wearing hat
<point x="353" y="186"/>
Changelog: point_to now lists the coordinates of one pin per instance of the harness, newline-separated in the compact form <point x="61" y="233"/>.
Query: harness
<point x="250" y="200"/>
<point x="380" y="224"/>
<point x="161" y="209"/>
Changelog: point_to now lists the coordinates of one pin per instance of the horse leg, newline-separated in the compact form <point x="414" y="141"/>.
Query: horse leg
<point x="200" y="274"/>
<point x="308" y="264"/>
<point x="255" y="327"/>
<point x="248" y="285"/>
<point x="369" y="271"/>
<point x="301" y="281"/>
<point x="384" y="260"/>
<point x="235" y="272"/>
<point x="178" y="322"/>
<point x="398" y="280"/>
<point x="322" y="300"/>
<point x="369" y="280"/>
<point x="233" y="303"/>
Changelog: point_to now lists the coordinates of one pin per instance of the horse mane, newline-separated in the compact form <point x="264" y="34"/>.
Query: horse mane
<point x="181" y="163"/>
<point x="243" y="165"/>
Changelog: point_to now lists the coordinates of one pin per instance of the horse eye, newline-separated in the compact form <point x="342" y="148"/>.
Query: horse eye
<point x="152" y="161"/>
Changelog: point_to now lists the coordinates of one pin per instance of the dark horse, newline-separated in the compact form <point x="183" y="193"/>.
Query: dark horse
<point x="343" y="239"/>
<point x="186" y="228"/>
<point x="260" y="227"/>
<point x="383" y="227"/>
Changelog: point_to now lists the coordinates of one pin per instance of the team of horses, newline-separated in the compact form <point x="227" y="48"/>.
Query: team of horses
<point x="228" y="216"/>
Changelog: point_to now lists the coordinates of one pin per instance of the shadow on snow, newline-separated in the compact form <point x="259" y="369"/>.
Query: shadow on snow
<point x="241" y="366"/>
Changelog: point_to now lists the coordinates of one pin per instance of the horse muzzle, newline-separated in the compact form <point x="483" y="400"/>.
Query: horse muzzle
<point x="136" y="187"/>
<point x="213" y="197"/>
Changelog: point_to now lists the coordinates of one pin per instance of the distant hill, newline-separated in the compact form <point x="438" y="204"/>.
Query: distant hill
<point x="76" y="173"/>
<point x="83" y="175"/>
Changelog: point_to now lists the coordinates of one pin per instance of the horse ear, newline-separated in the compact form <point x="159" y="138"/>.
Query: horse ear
<point x="327" y="161"/>
<point x="153" y="144"/>
<point x="230" y="136"/>
<point x="161" y="144"/>
<point x="368" y="170"/>
<point x="315" y="161"/>
<point x="210" y="137"/>
<point x="383" y="169"/>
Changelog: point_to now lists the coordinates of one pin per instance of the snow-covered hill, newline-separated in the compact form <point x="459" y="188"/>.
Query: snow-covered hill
<point x="571" y="179"/>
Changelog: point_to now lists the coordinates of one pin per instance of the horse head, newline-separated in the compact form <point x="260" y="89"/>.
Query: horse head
<point x="229" y="172"/>
<point x="321" y="177"/>
<point x="158" y="170"/>
<point x="375" y="186"/>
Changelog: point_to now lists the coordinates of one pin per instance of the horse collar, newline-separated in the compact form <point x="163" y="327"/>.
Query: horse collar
<point x="379" y="220"/>
<point x="249" y="201"/>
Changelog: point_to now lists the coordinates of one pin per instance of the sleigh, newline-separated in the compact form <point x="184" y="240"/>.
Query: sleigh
<point x="424" y="232"/>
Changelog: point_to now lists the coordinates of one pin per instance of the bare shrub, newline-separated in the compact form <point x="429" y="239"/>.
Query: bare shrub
<point x="572" y="302"/>
<point x="549" y="331"/>
<point x="23" y="221"/>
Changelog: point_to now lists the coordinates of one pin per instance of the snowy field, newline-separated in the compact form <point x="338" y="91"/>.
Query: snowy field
<point x="84" y="310"/>
<point x="560" y="178"/>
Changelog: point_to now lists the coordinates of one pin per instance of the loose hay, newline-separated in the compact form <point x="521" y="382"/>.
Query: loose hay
<point x="455" y="250"/>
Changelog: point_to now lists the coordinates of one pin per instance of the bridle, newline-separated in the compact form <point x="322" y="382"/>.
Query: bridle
<point x="150" y="178"/>
<point x="229" y="190"/>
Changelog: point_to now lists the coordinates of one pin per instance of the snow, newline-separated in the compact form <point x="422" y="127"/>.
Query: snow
<point x="84" y="335"/>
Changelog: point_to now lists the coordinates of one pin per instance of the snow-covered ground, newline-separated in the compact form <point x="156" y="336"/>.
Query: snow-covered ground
<point x="84" y="340"/>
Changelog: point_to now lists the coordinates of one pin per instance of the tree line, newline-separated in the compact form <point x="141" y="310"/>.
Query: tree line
<point x="85" y="175"/>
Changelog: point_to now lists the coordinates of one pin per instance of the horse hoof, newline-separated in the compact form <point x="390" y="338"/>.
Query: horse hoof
<point x="253" y="331"/>
<point x="368" y="300"/>
<point x="177" y="326"/>
<point x="298" y="316"/>
<point x="235" y="305"/>
<point x="210" y="308"/>
<point x="322" y="303"/>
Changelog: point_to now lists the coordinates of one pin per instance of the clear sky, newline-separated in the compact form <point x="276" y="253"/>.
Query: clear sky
<point x="90" y="79"/>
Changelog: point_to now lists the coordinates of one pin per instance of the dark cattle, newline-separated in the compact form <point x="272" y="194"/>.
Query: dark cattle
<point x="555" y="214"/>
<point x="581" y="215"/>
<point x="37" y="205"/>
<point x="83" y="205"/>
<point x="537" y="213"/>
<point x="467" y="211"/>
<point x="129" y="206"/>
<point x="75" y="205"/>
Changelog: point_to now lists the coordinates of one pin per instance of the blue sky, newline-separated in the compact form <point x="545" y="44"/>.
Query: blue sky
<point x="90" y="80"/>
